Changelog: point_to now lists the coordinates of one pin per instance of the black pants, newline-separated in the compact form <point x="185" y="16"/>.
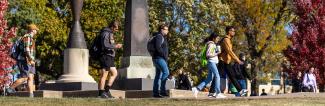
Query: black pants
<point x="226" y="68"/>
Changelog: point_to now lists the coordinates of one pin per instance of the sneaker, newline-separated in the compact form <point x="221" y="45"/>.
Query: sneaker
<point x="158" y="96"/>
<point x="211" y="95"/>
<point x="220" y="95"/>
<point x="195" y="91"/>
<point x="10" y="90"/>
<point x="109" y="94"/>
<point x="243" y="92"/>
<point x="164" y="95"/>
<point x="31" y="95"/>
<point x="106" y="95"/>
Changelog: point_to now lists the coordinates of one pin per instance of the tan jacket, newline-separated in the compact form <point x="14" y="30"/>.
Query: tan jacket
<point x="226" y="51"/>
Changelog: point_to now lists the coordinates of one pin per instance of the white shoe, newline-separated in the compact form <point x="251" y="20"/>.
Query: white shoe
<point x="212" y="95"/>
<point x="195" y="91"/>
<point x="243" y="92"/>
<point x="220" y="95"/>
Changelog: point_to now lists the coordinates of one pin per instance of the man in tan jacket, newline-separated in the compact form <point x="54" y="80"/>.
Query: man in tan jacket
<point x="226" y="57"/>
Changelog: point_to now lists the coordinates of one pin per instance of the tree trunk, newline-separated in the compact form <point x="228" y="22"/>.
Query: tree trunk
<point x="254" y="86"/>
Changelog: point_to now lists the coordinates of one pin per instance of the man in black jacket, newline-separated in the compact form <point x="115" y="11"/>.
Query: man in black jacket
<point x="159" y="59"/>
<point x="107" y="58"/>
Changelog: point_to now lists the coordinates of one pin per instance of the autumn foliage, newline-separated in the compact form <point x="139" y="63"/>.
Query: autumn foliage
<point x="308" y="38"/>
<point x="6" y="62"/>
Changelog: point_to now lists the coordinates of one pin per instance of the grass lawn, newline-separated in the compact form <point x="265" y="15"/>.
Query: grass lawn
<point x="22" y="101"/>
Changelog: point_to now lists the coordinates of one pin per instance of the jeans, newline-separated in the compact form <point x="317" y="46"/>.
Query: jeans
<point x="213" y="72"/>
<point x="242" y="84"/>
<point x="161" y="76"/>
<point x="231" y="74"/>
<point x="223" y="80"/>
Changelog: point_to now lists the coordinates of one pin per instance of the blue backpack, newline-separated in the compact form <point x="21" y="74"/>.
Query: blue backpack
<point x="17" y="49"/>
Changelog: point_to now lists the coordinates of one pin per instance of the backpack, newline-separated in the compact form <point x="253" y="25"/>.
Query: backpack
<point x="96" y="48"/>
<point x="151" y="45"/>
<point x="17" y="49"/>
<point x="203" y="55"/>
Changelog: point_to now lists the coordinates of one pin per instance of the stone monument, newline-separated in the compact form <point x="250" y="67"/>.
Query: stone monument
<point x="137" y="71"/>
<point x="76" y="58"/>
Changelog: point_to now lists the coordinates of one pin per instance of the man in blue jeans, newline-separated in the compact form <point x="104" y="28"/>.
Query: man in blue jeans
<point x="159" y="58"/>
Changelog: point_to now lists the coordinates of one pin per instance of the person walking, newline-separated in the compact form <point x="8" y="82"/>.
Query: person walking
<point x="107" y="59"/>
<point x="212" y="53"/>
<point x="226" y="57"/>
<point x="309" y="81"/>
<point x="159" y="58"/>
<point x="241" y="72"/>
<point x="26" y="61"/>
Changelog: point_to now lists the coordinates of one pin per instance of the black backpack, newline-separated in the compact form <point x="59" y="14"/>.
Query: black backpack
<point x="17" y="49"/>
<point x="96" y="47"/>
<point x="151" y="44"/>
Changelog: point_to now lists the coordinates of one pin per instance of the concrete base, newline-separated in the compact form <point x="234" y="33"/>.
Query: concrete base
<point x="173" y="93"/>
<point x="61" y="94"/>
<point x="138" y="84"/>
<point x="137" y="67"/>
<point x="76" y="66"/>
<point x="137" y="73"/>
<point x="69" y="86"/>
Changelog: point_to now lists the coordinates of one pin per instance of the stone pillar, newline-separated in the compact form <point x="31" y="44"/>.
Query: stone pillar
<point x="137" y="70"/>
<point x="76" y="58"/>
<point x="136" y="59"/>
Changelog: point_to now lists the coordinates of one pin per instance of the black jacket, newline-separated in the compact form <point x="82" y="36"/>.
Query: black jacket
<point x="161" y="46"/>
<point x="107" y="42"/>
<point x="241" y="72"/>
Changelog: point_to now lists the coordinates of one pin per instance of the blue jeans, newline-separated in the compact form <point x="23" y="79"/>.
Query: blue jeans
<point x="161" y="76"/>
<point x="242" y="84"/>
<point x="213" y="72"/>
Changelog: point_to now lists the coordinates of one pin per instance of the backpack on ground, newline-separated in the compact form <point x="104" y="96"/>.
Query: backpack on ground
<point x="151" y="44"/>
<point x="17" y="49"/>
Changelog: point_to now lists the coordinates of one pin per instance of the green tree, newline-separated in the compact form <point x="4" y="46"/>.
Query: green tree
<point x="53" y="17"/>
<point x="52" y="35"/>
<point x="261" y="34"/>
<point x="190" y="23"/>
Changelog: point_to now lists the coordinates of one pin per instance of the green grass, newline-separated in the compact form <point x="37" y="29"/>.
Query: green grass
<point x="21" y="101"/>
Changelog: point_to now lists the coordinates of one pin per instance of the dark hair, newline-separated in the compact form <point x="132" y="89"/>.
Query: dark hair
<point x="211" y="37"/>
<point x="241" y="55"/>
<point x="228" y="28"/>
<point x="113" y="24"/>
<point x="162" y="26"/>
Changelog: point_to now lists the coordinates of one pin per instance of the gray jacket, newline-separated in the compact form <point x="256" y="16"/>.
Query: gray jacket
<point x="108" y="42"/>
